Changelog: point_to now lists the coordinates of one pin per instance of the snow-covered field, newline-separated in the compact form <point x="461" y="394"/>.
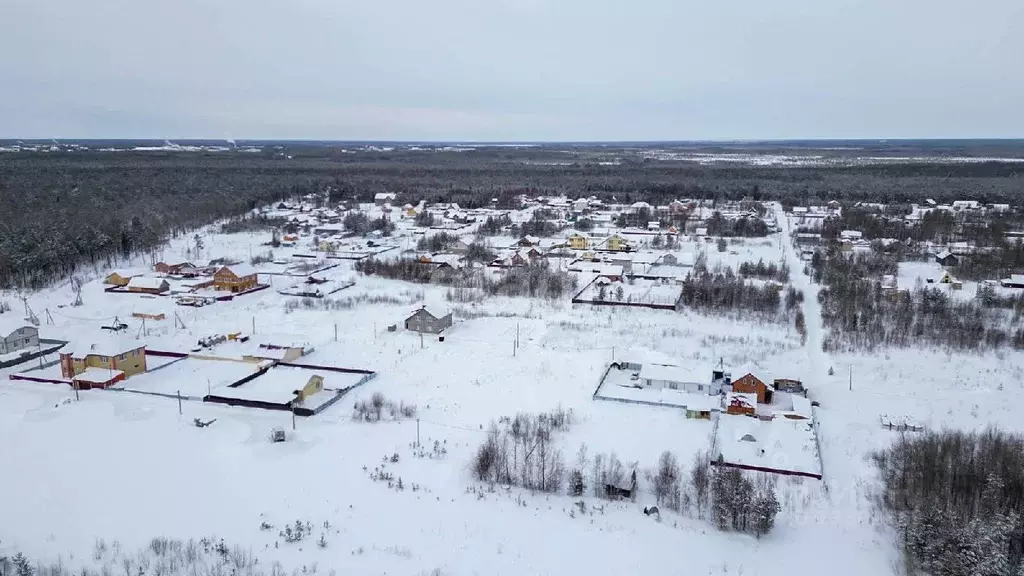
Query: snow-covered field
<point x="128" y="467"/>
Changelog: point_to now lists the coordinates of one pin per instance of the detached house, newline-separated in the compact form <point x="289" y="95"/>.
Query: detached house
<point x="750" y="384"/>
<point x="382" y="198"/>
<point x="17" y="335"/>
<point x="616" y="242"/>
<point x="235" y="278"/>
<point x="578" y="241"/>
<point x="148" y="285"/>
<point x="102" y="363"/>
<point x="429" y="320"/>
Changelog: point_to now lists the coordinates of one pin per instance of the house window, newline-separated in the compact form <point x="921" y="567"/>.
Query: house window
<point x="673" y="385"/>
<point x="122" y="357"/>
<point x="700" y="387"/>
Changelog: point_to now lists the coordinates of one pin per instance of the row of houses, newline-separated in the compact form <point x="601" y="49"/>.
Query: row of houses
<point x="233" y="278"/>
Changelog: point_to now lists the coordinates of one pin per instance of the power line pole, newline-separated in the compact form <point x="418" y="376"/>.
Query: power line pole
<point x="851" y="377"/>
<point x="417" y="432"/>
<point x="179" y="402"/>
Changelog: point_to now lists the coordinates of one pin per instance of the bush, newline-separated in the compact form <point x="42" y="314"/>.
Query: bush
<point x="721" y="245"/>
<point x="518" y="451"/>
<point x="374" y="409"/>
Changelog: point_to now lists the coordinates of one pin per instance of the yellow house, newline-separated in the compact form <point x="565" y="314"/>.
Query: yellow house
<point x="315" y="384"/>
<point x="616" y="242"/>
<point x="122" y="358"/>
<point x="117" y="279"/>
<point x="578" y="241"/>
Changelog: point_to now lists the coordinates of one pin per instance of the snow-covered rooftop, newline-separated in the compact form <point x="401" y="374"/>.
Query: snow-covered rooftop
<point x="669" y="373"/>
<point x="95" y="375"/>
<point x="778" y="444"/>
<point x="9" y="323"/>
<point x="241" y="270"/>
<point x="146" y="282"/>
<point x="106" y="345"/>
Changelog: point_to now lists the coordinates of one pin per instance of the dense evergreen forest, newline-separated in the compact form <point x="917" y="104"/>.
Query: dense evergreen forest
<point x="68" y="208"/>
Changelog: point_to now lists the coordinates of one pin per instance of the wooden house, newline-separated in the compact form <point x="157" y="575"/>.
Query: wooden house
<point x="117" y="279"/>
<point x="750" y="384"/>
<point x="147" y="285"/>
<point x="168" y="268"/>
<point x="235" y="278"/>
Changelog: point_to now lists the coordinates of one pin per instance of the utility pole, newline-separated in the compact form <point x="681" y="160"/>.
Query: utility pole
<point x="421" y="338"/>
<point x="75" y="382"/>
<point x="254" y="325"/>
<point x="293" y="420"/>
<point x="179" y="402"/>
<point x="851" y="377"/>
<point x="417" y="432"/>
<point x="517" y="334"/>
<point x="335" y="331"/>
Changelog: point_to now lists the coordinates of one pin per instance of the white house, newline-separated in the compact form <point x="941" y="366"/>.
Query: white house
<point x="17" y="334"/>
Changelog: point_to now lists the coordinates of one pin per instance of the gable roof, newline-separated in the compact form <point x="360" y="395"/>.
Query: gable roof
<point x="240" y="270"/>
<point x="147" y="282"/>
<point x="9" y="323"/>
<point x="437" y="312"/>
<point x="108" y="345"/>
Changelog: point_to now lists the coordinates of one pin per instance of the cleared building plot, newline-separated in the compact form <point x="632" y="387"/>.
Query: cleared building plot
<point x="289" y="387"/>
<point x="779" y="445"/>
<point x="193" y="377"/>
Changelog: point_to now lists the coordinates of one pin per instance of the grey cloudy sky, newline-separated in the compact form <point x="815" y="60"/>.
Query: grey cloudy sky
<point x="511" y="69"/>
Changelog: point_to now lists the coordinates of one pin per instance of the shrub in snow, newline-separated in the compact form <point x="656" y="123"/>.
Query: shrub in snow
<point x="519" y="452"/>
<point x="374" y="409"/>
<point x="577" y="485"/>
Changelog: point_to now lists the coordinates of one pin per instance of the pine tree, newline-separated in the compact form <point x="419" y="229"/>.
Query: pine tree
<point x="21" y="565"/>
<point x="766" y="507"/>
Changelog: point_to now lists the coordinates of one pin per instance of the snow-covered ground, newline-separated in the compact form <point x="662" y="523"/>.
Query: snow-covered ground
<point x="129" y="467"/>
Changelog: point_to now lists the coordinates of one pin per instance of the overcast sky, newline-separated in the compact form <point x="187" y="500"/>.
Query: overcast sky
<point x="500" y="70"/>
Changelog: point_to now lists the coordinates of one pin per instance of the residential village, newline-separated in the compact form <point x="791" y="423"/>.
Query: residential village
<point x="299" y="319"/>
